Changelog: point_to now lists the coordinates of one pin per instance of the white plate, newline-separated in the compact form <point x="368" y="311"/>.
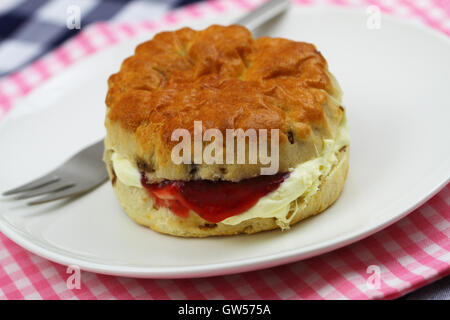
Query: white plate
<point x="396" y="83"/>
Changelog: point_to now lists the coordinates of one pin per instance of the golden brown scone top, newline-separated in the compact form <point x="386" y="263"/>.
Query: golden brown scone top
<point x="226" y="79"/>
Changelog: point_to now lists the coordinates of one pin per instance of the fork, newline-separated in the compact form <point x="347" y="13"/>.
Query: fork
<point x="81" y="173"/>
<point x="86" y="170"/>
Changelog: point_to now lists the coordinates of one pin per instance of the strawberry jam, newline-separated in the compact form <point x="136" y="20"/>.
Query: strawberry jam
<point x="214" y="201"/>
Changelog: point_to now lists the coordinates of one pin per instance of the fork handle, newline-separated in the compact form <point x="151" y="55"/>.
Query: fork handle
<point x="264" y="13"/>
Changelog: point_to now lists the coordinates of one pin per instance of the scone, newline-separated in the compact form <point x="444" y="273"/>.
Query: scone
<point x="226" y="81"/>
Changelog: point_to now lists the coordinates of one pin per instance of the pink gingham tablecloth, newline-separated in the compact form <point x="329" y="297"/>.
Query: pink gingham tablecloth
<point x="409" y="254"/>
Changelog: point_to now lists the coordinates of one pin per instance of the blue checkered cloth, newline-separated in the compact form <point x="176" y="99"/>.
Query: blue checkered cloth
<point x="31" y="28"/>
<point x="439" y="290"/>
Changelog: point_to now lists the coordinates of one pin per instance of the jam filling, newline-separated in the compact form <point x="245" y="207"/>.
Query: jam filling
<point x="214" y="201"/>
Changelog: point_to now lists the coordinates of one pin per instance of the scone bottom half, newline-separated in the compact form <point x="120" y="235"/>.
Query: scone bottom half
<point x="224" y="79"/>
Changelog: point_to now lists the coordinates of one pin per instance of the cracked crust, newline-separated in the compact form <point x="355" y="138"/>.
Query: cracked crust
<point x="228" y="80"/>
